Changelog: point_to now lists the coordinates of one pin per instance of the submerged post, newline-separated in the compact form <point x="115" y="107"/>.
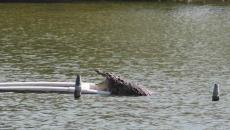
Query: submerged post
<point x="77" y="91"/>
<point x="215" y="94"/>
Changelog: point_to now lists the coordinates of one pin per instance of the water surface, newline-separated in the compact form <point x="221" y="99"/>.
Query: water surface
<point x="178" y="51"/>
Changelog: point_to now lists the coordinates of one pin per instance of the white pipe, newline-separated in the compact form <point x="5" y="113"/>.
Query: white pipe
<point x="49" y="89"/>
<point x="37" y="89"/>
<point x="42" y="83"/>
<point x="46" y="87"/>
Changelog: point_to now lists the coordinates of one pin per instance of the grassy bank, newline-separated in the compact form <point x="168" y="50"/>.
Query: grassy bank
<point x="179" y="1"/>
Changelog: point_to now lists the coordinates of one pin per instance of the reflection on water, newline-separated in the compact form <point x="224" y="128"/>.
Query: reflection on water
<point x="177" y="50"/>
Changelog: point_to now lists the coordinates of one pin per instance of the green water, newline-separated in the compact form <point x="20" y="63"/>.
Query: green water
<point x="176" y="50"/>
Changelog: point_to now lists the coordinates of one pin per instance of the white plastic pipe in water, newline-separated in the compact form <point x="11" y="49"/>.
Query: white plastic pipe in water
<point x="48" y="87"/>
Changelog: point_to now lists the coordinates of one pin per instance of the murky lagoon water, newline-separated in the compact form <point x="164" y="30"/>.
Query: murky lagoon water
<point x="178" y="51"/>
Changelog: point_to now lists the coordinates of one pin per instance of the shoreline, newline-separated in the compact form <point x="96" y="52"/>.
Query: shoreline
<point x="89" y="1"/>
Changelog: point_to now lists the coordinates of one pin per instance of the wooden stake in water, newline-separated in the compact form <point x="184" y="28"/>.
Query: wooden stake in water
<point x="77" y="91"/>
<point x="215" y="94"/>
